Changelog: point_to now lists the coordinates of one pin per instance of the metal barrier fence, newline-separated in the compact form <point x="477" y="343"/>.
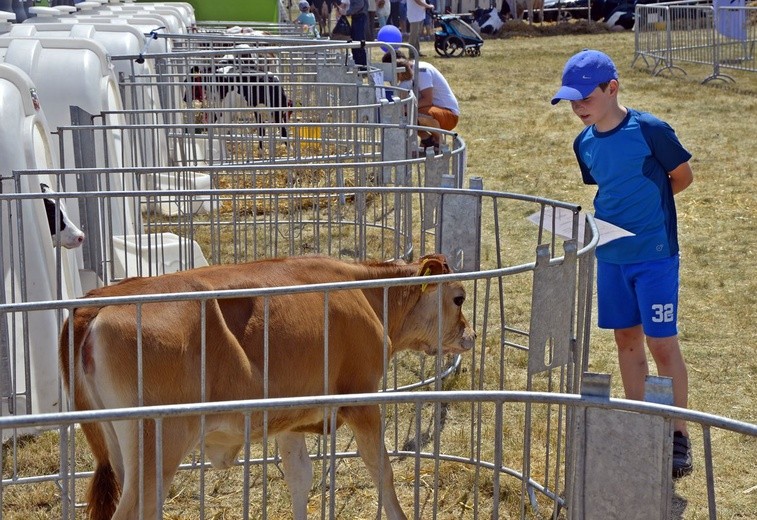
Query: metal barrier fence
<point x="286" y="57"/>
<point x="721" y="37"/>
<point x="339" y="155"/>
<point x="189" y="112"/>
<point x="364" y="132"/>
<point x="441" y="473"/>
<point x="530" y="310"/>
<point x="287" y="53"/>
<point x="170" y="200"/>
<point x="529" y="299"/>
<point x="242" y="224"/>
<point x="281" y="29"/>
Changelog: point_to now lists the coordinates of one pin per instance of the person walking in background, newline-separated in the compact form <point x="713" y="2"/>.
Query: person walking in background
<point x="638" y="165"/>
<point x="383" y="10"/>
<point x="394" y="13"/>
<point x="322" y="11"/>
<point x="403" y="26"/>
<point x="357" y="10"/>
<point x="427" y="31"/>
<point x="371" y="23"/>
<point x="416" y="14"/>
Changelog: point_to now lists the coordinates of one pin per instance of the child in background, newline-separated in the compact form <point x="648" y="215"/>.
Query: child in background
<point x="307" y="19"/>
<point x="427" y="31"/>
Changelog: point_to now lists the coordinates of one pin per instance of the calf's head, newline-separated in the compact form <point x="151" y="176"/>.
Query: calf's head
<point x="62" y="230"/>
<point x="195" y="89"/>
<point x="420" y="329"/>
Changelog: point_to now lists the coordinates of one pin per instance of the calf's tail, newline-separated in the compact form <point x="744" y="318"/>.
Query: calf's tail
<point x="103" y="493"/>
<point x="104" y="490"/>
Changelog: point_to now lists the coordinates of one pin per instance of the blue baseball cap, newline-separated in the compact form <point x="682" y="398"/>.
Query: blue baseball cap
<point x="583" y="72"/>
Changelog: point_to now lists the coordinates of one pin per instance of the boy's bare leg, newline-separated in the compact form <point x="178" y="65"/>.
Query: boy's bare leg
<point x="634" y="368"/>
<point x="667" y="355"/>
<point x="632" y="360"/>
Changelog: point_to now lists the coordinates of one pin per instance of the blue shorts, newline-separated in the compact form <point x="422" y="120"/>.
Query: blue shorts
<point x="643" y="293"/>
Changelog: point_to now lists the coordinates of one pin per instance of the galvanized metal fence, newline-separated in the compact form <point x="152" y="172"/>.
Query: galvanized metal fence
<point x="318" y="93"/>
<point x="440" y="476"/>
<point x="164" y="187"/>
<point x="529" y="338"/>
<point x="720" y="37"/>
<point x="322" y="103"/>
<point x="228" y="28"/>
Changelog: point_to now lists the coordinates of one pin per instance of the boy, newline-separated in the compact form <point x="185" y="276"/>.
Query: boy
<point x="638" y="164"/>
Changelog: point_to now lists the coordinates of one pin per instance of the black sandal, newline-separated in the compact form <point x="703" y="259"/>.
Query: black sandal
<point x="682" y="464"/>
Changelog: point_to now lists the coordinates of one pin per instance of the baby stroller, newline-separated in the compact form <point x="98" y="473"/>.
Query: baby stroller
<point x="455" y="37"/>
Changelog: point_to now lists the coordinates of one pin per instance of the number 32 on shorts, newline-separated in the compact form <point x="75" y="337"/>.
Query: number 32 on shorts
<point x="663" y="313"/>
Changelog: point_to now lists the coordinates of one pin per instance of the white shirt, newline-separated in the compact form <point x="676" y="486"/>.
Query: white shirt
<point x="415" y="12"/>
<point x="429" y="77"/>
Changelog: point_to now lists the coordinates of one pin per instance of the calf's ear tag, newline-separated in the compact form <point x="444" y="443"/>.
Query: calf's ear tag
<point x="425" y="273"/>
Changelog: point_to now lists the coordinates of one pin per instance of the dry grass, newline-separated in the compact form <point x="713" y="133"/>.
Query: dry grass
<point x="519" y="143"/>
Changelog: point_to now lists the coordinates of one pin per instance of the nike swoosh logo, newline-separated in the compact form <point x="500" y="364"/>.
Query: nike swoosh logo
<point x="585" y="77"/>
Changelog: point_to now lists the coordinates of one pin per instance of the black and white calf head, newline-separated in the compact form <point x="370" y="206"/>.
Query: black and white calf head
<point x="62" y="230"/>
<point x="228" y="86"/>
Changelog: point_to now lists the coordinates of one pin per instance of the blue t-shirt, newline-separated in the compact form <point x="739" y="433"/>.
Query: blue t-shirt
<point x="630" y="165"/>
<point x="308" y="20"/>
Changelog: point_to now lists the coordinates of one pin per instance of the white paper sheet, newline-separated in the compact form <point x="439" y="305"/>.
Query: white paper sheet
<point x="378" y="79"/>
<point x="563" y="226"/>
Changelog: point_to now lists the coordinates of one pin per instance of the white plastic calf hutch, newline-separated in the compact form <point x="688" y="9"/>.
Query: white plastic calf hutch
<point x="27" y="255"/>
<point x="141" y="24"/>
<point x="174" y="21"/>
<point x="184" y="12"/>
<point x="50" y="63"/>
<point x="122" y="39"/>
<point x="6" y="19"/>
<point x="117" y="39"/>
<point x="94" y="90"/>
<point x="144" y="23"/>
<point x="148" y="19"/>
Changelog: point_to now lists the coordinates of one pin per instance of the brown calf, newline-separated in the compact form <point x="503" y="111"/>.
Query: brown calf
<point x="105" y="366"/>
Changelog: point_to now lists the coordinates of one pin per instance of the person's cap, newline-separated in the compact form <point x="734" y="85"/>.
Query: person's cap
<point x="583" y="73"/>
<point x="304" y="5"/>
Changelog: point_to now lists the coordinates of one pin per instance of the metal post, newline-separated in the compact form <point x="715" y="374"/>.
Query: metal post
<point x="621" y="460"/>
<point x="459" y="229"/>
<point x="84" y="145"/>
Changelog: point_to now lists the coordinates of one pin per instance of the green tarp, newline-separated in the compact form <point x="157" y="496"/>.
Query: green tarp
<point x="235" y="10"/>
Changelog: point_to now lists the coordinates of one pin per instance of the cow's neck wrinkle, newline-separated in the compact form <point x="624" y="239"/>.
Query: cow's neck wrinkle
<point x="400" y="299"/>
